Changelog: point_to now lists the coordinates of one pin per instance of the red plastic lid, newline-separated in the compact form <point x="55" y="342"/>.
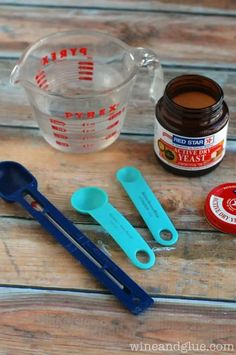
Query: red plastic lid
<point x="220" y="207"/>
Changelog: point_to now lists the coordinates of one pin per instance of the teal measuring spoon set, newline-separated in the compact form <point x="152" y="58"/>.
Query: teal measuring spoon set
<point x="94" y="201"/>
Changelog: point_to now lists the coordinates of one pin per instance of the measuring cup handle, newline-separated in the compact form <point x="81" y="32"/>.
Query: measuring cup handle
<point x="146" y="58"/>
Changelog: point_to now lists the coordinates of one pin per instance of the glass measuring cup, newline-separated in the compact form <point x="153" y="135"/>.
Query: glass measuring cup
<point x="79" y="84"/>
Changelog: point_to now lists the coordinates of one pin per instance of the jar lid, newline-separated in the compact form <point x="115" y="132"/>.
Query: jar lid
<point x="220" y="208"/>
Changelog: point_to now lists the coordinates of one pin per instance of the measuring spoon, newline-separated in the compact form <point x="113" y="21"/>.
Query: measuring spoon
<point x="94" y="201"/>
<point x="17" y="184"/>
<point x="147" y="204"/>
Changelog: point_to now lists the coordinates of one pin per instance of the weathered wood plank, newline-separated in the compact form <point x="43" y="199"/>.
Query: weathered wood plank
<point x="201" y="264"/>
<point x="206" y="6"/>
<point x="31" y="321"/>
<point x="15" y="110"/>
<point x="182" y="197"/>
<point x="177" y="38"/>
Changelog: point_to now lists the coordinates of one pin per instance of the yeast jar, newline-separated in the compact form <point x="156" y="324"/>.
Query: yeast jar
<point x="191" y="125"/>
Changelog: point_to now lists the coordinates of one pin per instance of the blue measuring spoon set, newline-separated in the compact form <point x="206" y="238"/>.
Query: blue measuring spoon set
<point x="17" y="184"/>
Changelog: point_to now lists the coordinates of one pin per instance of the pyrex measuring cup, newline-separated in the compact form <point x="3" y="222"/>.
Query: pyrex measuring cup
<point x="79" y="83"/>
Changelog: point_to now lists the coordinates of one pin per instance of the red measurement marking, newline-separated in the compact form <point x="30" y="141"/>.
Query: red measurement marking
<point x="68" y="115"/>
<point x="90" y="114"/>
<point x="60" y="129"/>
<point x="45" y="60"/>
<point x="111" y="135"/>
<point x="85" y="78"/>
<point x="85" y="69"/>
<point x="88" y="138"/>
<point x="79" y="115"/>
<point x="63" y="144"/>
<point x="40" y="75"/>
<point x="116" y="114"/>
<point x="102" y="112"/>
<point x="43" y="83"/>
<point x="54" y="56"/>
<point x="52" y="120"/>
<point x="113" y="124"/>
<point x="63" y="53"/>
<point x="88" y="130"/>
<point x="41" y="80"/>
<point x="40" y="72"/>
<point x="85" y="72"/>
<point x="86" y="63"/>
<point x="87" y="145"/>
<point x="113" y="108"/>
<point x="58" y="135"/>
<point x="88" y="124"/>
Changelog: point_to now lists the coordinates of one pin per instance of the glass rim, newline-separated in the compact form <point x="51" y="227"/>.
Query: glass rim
<point x="80" y="32"/>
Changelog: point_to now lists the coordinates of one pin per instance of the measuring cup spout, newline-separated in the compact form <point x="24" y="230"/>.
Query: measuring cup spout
<point x="15" y="76"/>
<point x="22" y="71"/>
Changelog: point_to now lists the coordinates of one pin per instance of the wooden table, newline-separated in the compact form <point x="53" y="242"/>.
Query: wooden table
<point x="49" y="304"/>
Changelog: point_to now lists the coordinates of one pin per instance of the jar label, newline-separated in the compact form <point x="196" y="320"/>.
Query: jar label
<point x="189" y="153"/>
<point x="220" y="207"/>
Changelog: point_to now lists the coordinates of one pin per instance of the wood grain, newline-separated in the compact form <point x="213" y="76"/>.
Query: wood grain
<point x="15" y="109"/>
<point x="177" y="38"/>
<point x="83" y="318"/>
<point x="183" y="198"/>
<point x="31" y="321"/>
<point x="206" y="6"/>
<point x="201" y="264"/>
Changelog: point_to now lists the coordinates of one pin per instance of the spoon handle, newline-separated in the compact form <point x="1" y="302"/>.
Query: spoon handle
<point x="147" y="204"/>
<point x="104" y="269"/>
<point x="125" y="235"/>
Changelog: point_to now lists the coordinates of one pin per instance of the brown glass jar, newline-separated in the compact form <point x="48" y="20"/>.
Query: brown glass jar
<point x="191" y="125"/>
